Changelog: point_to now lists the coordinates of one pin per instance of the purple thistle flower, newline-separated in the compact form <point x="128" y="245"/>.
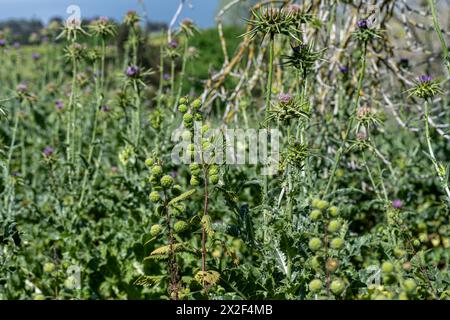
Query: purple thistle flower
<point x="362" y="24"/>
<point x="285" y="98"/>
<point x="166" y="76"/>
<point x="132" y="71"/>
<point x="106" y="108"/>
<point x="2" y="42"/>
<point x="173" y="44"/>
<point x="48" y="152"/>
<point x="22" y="87"/>
<point x="16" y="45"/>
<point x="425" y="79"/>
<point x="15" y="174"/>
<point x="36" y="56"/>
<point x="59" y="104"/>
<point x="397" y="203"/>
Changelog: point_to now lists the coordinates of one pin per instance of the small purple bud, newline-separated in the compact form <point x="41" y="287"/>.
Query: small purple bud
<point x="16" y="45"/>
<point x="285" y="98"/>
<point x="106" y="108"/>
<point x="59" y="104"/>
<point x="15" y="174"/>
<point x="166" y="76"/>
<point x="173" y="44"/>
<point x="22" y="87"/>
<point x="36" y="56"/>
<point x="132" y="71"/>
<point x="2" y="42"/>
<point x="425" y="79"/>
<point x="343" y="69"/>
<point x="397" y="203"/>
<point x="362" y="24"/>
<point x="48" y="152"/>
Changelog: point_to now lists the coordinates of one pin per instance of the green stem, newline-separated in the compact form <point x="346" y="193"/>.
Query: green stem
<point x="352" y="117"/>
<point x="437" y="27"/>
<point x="270" y="74"/>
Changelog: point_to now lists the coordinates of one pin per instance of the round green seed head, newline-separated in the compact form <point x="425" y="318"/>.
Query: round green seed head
<point x="157" y="170"/>
<point x="166" y="181"/>
<point x="315" y="215"/>
<point x="315" y="285"/>
<point x="154" y="196"/>
<point x="39" y="297"/>
<point x="180" y="226"/>
<point x="214" y="179"/>
<point x="196" y="104"/>
<point x="177" y="190"/>
<point x="322" y="204"/>
<point x="184" y="100"/>
<point x="155" y="230"/>
<point x="194" y="166"/>
<point x="187" y="117"/>
<point x="194" y="181"/>
<point x="315" y="202"/>
<point x="410" y="285"/>
<point x="183" y="108"/>
<point x="337" y="286"/>
<point x="337" y="243"/>
<point x="49" y="267"/>
<point x="333" y="211"/>
<point x="315" y="244"/>
<point x="334" y="226"/>
<point x="387" y="267"/>
<point x="214" y="169"/>
<point x="149" y="162"/>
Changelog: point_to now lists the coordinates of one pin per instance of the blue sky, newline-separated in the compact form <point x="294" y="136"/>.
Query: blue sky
<point x="202" y="11"/>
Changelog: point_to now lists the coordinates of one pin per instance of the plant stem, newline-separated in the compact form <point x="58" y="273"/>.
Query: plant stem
<point x="441" y="176"/>
<point x="352" y="117"/>
<point x="270" y="74"/>
<point x="437" y="27"/>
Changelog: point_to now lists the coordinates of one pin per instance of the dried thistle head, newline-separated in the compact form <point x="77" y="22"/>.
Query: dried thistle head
<point x="426" y="88"/>
<point x="289" y="108"/>
<point x="188" y="27"/>
<point x="75" y="52"/>
<point x="131" y="19"/>
<point x="272" y="21"/>
<point x="72" y="30"/>
<point x="102" y="28"/>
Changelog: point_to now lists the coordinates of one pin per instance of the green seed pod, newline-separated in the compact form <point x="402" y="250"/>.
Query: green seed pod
<point x="214" y="179"/>
<point x="322" y="204"/>
<point x="315" y="203"/>
<point x="183" y="108"/>
<point x="315" y="215"/>
<point x="315" y="263"/>
<point x="159" y="210"/>
<point x="403" y="296"/>
<point x="154" y="196"/>
<point x="334" y="226"/>
<point x="153" y="179"/>
<point x="70" y="283"/>
<point x="179" y="209"/>
<point x="166" y="181"/>
<point x="205" y="128"/>
<point x="157" y="170"/>
<point x="214" y="169"/>
<point x="337" y="286"/>
<point x="180" y="226"/>
<point x="184" y="100"/>
<point x="187" y="117"/>
<point x="337" y="243"/>
<point x="194" y="166"/>
<point x="387" y="267"/>
<point x="149" y="162"/>
<point x="198" y="117"/>
<point x="315" y="244"/>
<point x="206" y="145"/>
<point x="196" y="172"/>
<point x="410" y="285"/>
<point x="196" y="104"/>
<point x="39" y="297"/>
<point x="399" y="253"/>
<point x="49" y="267"/>
<point x="333" y="211"/>
<point x="194" y="181"/>
<point x="155" y="230"/>
<point x="177" y="190"/>
<point x="315" y="285"/>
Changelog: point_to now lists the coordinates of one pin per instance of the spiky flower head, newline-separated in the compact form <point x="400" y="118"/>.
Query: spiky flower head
<point x="188" y="27"/>
<point x="102" y="28"/>
<point x="303" y="57"/>
<point x="365" y="32"/>
<point x="426" y="88"/>
<point x="289" y="108"/>
<point x="131" y="19"/>
<point x="75" y="52"/>
<point x="72" y="30"/>
<point x="273" y="20"/>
